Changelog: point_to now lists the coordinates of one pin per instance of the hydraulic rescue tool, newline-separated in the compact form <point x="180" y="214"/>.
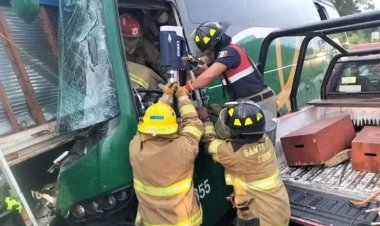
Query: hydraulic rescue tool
<point x="174" y="56"/>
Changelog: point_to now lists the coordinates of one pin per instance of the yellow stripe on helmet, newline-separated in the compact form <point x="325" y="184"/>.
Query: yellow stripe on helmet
<point x="248" y="121"/>
<point x="206" y="39"/>
<point x="212" y="32"/>
<point x="237" y="122"/>
<point x="197" y="39"/>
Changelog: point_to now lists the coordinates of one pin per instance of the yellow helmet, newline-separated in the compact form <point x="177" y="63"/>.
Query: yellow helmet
<point x="159" y="119"/>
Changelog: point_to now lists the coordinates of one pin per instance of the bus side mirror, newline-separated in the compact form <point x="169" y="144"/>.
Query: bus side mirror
<point x="27" y="10"/>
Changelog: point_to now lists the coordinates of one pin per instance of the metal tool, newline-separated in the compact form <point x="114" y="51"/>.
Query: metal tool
<point x="197" y="92"/>
<point x="174" y="55"/>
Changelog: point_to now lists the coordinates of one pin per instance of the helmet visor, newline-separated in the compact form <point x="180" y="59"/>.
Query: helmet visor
<point x="270" y="119"/>
<point x="221" y="129"/>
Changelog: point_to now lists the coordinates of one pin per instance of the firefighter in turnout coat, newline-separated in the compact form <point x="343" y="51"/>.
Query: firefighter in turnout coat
<point x="162" y="155"/>
<point x="138" y="49"/>
<point x="250" y="163"/>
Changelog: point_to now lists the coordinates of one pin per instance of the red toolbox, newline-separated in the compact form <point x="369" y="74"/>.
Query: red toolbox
<point x="316" y="143"/>
<point x="366" y="150"/>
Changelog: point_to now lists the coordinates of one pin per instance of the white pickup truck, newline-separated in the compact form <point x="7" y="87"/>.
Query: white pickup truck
<point x="320" y="195"/>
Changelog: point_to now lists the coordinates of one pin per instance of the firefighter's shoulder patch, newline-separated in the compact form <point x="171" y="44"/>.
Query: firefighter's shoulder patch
<point x="222" y="54"/>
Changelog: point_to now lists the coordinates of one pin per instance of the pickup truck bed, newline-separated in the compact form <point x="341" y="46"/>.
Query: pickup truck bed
<point x="320" y="193"/>
<point x="311" y="207"/>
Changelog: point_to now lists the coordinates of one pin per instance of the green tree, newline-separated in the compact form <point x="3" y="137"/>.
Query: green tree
<point x="348" y="7"/>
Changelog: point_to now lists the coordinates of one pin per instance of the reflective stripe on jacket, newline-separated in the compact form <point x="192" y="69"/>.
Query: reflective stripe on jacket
<point x="143" y="77"/>
<point x="174" y="189"/>
<point x="265" y="184"/>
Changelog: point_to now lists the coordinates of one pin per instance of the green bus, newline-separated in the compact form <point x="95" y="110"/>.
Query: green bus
<point x="71" y="58"/>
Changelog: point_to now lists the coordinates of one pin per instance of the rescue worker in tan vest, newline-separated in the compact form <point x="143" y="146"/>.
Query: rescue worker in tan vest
<point x="250" y="163"/>
<point x="162" y="155"/>
<point x="239" y="74"/>
<point x="138" y="49"/>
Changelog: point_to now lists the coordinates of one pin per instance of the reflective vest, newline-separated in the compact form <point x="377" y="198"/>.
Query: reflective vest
<point x="244" y="80"/>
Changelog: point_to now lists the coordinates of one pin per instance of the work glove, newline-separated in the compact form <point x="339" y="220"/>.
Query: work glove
<point x="169" y="91"/>
<point x="181" y="91"/>
<point x="170" y="88"/>
<point x="197" y="65"/>
<point x="203" y="114"/>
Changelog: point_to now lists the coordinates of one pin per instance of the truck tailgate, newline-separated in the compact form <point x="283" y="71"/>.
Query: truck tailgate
<point x="318" y="208"/>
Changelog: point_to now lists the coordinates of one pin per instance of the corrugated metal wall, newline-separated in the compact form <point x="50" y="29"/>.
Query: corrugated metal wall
<point x="8" y="79"/>
<point x="41" y="66"/>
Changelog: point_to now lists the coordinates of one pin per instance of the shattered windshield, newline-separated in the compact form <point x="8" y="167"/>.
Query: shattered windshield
<point x="87" y="92"/>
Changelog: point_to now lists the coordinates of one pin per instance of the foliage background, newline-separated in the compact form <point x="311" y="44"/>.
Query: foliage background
<point x="348" y="7"/>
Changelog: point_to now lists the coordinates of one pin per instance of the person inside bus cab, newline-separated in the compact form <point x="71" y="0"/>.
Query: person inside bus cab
<point x="143" y="77"/>
<point x="138" y="49"/>
<point x="239" y="74"/>
<point x="250" y="164"/>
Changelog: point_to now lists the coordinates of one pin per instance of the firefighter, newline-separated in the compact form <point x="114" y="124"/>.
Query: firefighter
<point x="138" y="49"/>
<point x="250" y="163"/>
<point x="143" y="77"/>
<point x="239" y="74"/>
<point x="162" y="156"/>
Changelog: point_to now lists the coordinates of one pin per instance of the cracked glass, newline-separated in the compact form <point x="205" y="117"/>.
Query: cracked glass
<point x="87" y="91"/>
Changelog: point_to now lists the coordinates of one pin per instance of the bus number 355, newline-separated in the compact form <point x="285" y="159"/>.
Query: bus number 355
<point x="203" y="189"/>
